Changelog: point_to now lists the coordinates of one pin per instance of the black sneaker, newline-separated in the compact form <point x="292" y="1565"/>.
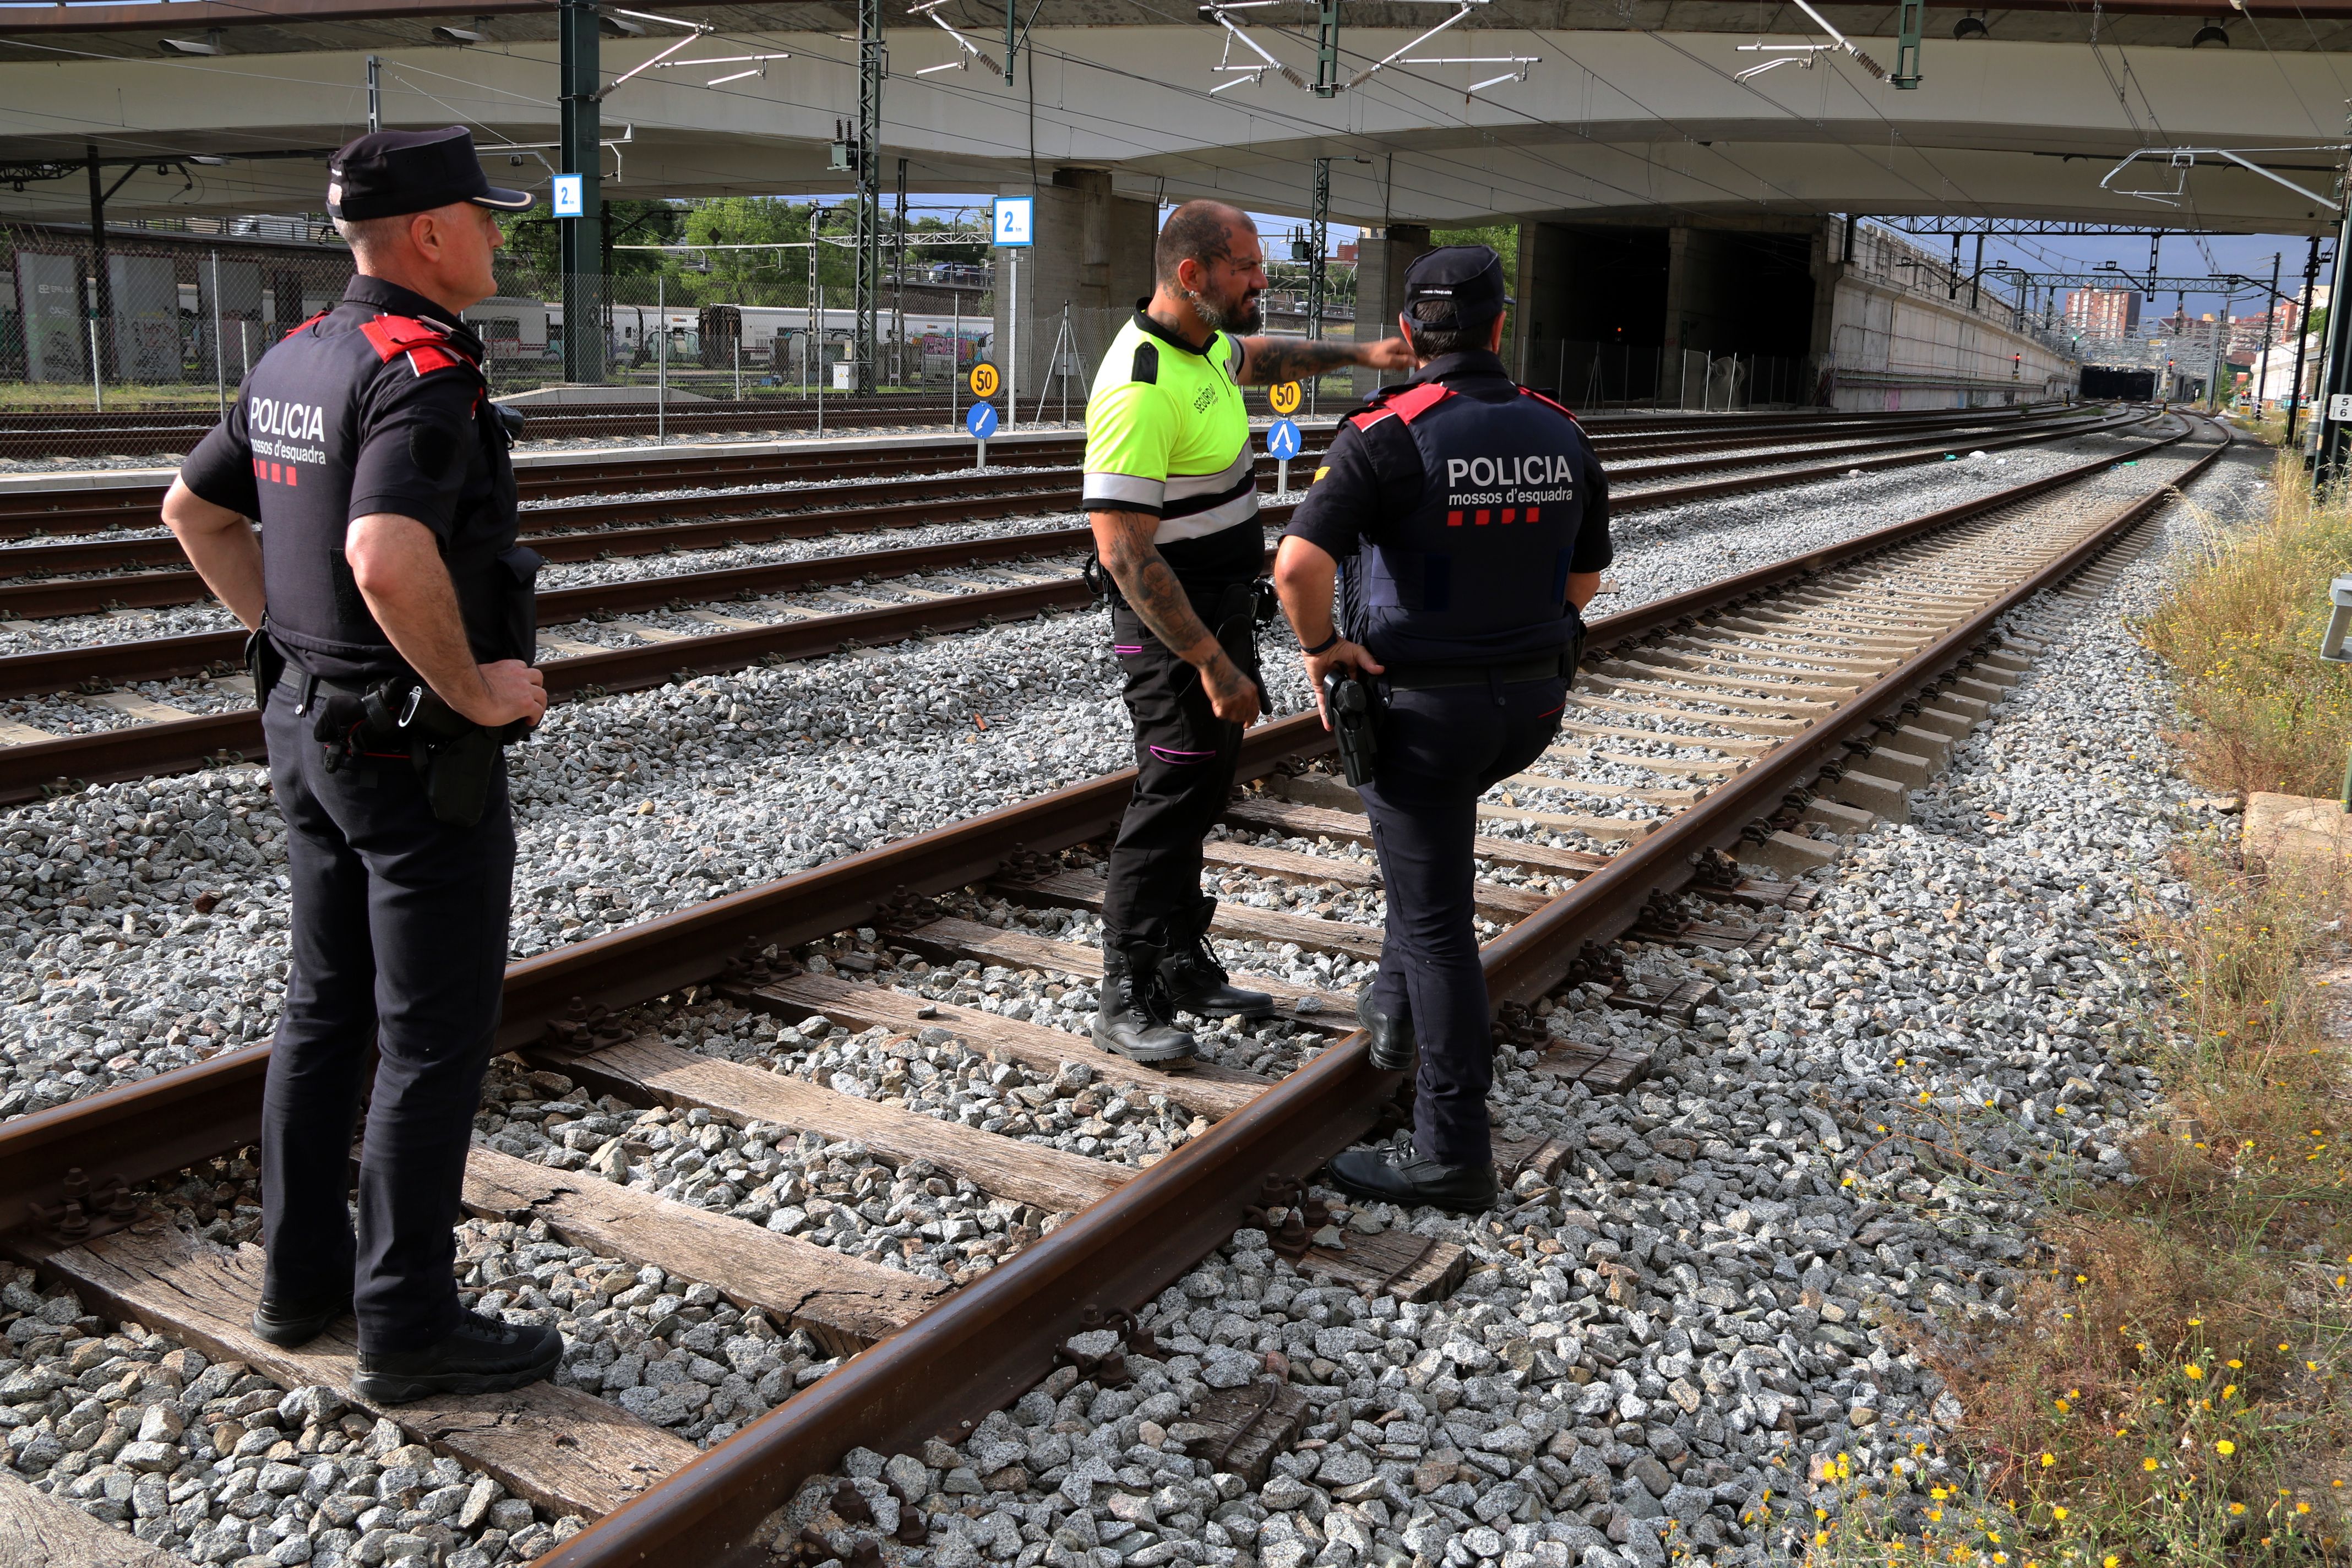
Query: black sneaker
<point x="480" y="1355"/>
<point x="288" y="1324"/>
<point x="1413" y="1181"/>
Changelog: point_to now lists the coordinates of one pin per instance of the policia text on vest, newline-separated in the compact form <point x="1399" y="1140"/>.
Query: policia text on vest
<point x="392" y="614"/>
<point x="1464" y="519"/>
<point x="1170" y="491"/>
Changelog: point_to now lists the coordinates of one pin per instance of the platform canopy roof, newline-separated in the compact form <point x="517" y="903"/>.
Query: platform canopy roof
<point x="1607" y="110"/>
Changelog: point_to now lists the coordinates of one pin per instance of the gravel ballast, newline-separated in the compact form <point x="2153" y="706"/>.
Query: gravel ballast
<point x="1689" y="1317"/>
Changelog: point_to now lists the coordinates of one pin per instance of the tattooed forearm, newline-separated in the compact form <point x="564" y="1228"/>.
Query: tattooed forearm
<point x="1273" y="360"/>
<point x="1123" y="541"/>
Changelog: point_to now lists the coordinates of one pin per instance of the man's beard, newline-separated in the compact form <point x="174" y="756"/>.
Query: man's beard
<point x="1243" y="317"/>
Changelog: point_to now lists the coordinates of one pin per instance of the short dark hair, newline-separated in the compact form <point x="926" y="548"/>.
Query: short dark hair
<point x="1197" y="231"/>
<point x="1430" y="341"/>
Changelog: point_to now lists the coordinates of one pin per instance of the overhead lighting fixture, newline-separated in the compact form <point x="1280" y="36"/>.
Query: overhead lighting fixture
<point x="2211" y="33"/>
<point x="188" y="46"/>
<point x="209" y="161"/>
<point x="460" y="36"/>
<point x="1971" y="25"/>
<point x="616" y="27"/>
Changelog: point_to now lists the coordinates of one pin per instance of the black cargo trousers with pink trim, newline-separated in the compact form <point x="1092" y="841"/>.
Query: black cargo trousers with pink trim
<point x="1184" y="758"/>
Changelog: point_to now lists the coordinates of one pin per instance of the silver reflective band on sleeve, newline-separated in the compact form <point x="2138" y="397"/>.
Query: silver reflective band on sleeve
<point x="1241" y="509"/>
<point x="1126" y="488"/>
<point x="1182" y="488"/>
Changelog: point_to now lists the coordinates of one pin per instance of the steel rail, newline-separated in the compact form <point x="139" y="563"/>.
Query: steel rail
<point x="141" y="750"/>
<point x="981" y="1346"/>
<point x="1533" y="955"/>
<point x="23" y="512"/>
<point x="748" y="518"/>
<point x="958" y="485"/>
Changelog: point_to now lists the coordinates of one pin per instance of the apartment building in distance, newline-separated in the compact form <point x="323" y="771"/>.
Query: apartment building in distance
<point x="2103" y="313"/>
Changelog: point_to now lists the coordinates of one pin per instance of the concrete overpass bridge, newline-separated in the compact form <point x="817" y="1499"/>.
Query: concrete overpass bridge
<point x="1670" y="202"/>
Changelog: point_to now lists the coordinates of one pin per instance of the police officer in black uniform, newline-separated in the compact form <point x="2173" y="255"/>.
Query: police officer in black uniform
<point x="394" y="634"/>
<point x="1472" y="517"/>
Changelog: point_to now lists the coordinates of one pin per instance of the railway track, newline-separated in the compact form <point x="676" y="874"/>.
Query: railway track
<point x="69" y="510"/>
<point x="869" y="597"/>
<point x="31" y="587"/>
<point x="82" y="432"/>
<point x="1828" y="682"/>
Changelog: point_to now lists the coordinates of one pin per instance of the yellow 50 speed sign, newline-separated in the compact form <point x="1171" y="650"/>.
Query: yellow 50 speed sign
<point x="1284" y="397"/>
<point x="985" y="381"/>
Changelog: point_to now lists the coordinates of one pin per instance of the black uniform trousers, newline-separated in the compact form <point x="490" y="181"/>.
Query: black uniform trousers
<point x="1440" y="750"/>
<point x="1184" y="759"/>
<point x="399" y="937"/>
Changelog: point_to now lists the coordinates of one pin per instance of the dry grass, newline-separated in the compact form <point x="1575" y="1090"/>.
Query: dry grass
<point x="2241" y="633"/>
<point x="2172" y="1388"/>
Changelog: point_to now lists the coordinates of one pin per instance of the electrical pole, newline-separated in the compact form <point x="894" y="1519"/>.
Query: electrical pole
<point x="2338" y="374"/>
<point x="2302" y="337"/>
<point x="580" y="240"/>
<point x="1318" y="235"/>
<point x="900" y="327"/>
<point x="2269" y="327"/>
<point x="101" y="287"/>
<point x="873" y="65"/>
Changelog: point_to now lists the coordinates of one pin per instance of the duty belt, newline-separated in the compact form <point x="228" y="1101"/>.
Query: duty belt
<point x="1435" y="677"/>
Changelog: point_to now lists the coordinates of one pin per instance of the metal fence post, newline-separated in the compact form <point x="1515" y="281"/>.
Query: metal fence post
<point x="739" y="359"/>
<point x="97" y="384"/>
<point x="220" y="387"/>
<point x="661" y="360"/>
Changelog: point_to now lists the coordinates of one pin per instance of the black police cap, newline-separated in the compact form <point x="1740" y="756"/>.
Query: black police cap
<point x="388" y="173"/>
<point x="1468" y="277"/>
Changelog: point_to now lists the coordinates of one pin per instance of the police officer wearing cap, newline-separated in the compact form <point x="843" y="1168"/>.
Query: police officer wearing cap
<point x="1467" y="521"/>
<point x="394" y="634"/>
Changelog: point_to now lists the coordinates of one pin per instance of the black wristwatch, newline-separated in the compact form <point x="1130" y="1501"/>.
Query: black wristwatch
<point x="1323" y="647"/>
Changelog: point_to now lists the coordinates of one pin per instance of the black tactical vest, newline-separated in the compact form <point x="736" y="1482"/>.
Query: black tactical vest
<point x="1477" y="570"/>
<point x="304" y="403"/>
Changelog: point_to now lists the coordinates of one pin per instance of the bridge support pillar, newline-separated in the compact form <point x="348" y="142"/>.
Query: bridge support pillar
<point x="1093" y="251"/>
<point x="1380" y="261"/>
<point x="1540" y="319"/>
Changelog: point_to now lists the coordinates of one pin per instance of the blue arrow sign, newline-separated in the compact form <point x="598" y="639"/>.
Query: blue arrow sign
<point x="982" y="420"/>
<point x="1283" y="441"/>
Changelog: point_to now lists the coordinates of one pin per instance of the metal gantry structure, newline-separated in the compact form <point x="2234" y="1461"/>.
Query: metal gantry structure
<point x="1318" y="239"/>
<point x="873" y="65"/>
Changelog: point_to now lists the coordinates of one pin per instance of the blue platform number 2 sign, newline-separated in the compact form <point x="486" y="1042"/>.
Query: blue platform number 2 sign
<point x="1015" y="221"/>
<point x="569" y="200"/>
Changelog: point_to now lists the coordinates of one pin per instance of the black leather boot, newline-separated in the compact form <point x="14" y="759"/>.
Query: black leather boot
<point x="1413" y="1181"/>
<point x="292" y="1323"/>
<point x="1393" y="1040"/>
<point x="1197" y="984"/>
<point x="480" y="1355"/>
<point x="1134" y="1019"/>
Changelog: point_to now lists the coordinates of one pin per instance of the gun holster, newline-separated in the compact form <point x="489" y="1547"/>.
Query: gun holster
<point x="401" y="718"/>
<point x="1241" y="610"/>
<point x="1355" y="709"/>
<point x="263" y="662"/>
